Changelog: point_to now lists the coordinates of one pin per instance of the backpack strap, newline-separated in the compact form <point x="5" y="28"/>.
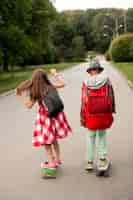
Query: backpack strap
<point x="109" y="88"/>
<point x="86" y="88"/>
<point x="111" y="94"/>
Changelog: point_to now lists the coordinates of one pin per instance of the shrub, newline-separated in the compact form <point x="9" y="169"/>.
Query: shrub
<point x="122" y="48"/>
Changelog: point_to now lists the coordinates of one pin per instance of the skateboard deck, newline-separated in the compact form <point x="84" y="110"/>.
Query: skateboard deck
<point x="104" y="172"/>
<point x="49" y="173"/>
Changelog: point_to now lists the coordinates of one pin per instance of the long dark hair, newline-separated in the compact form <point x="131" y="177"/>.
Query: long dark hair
<point x="40" y="84"/>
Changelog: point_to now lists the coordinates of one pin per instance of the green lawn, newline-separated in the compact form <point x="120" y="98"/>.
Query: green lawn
<point x="126" y="69"/>
<point x="10" y="80"/>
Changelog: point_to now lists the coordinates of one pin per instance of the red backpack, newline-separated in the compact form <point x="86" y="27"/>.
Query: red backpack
<point x="99" y="101"/>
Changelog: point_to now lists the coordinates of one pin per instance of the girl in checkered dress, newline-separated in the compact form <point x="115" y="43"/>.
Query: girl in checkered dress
<point x="47" y="129"/>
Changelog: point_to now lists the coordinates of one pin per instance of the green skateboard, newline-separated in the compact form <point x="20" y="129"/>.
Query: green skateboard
<point x="49" y="173"/>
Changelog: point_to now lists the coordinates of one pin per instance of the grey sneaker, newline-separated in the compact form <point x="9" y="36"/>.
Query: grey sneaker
<point x="89" y="166"/>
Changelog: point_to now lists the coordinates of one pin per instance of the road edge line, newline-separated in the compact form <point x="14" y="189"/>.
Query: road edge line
<point x="130" y="84"/>
<point x="7" y="93"/>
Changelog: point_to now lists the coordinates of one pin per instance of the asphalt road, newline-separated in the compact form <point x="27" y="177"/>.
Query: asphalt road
<point x="20" y="163"/>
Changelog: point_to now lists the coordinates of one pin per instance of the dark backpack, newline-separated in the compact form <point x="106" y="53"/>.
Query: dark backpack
<point x="53" y="102"/>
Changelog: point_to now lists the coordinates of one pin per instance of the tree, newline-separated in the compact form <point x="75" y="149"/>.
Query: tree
<point x="23" y="14"/>
<point x="33" y="32"/>
<point x="83" y="27"/>
<point x="62" y="36"/>
<point x="12" y="32"/>
<point x="78" y="48"/>
<point x="43" y="14"/>
<point x="101" y="36"/>
<point x="130" y="20"/>
<point x="17" y="46"/>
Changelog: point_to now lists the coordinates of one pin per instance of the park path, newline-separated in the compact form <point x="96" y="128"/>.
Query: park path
<point x="20" y="163"/>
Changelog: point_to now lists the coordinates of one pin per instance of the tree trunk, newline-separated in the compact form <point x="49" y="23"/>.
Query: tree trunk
<point x="5" y="64"/>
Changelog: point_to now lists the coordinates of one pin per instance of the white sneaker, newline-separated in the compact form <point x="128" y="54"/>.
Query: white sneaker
<point x="89" y="166"/>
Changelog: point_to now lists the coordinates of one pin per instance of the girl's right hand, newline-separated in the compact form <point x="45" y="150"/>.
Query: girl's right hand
<point x="53" y="72"/>
<point x="18" y="92"/>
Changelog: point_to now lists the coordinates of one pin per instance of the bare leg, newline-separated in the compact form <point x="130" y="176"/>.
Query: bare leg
<point x="56" y="147"/>
<point x="49" y="152"/>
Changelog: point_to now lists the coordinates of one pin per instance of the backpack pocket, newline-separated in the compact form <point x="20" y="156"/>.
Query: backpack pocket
<point x="99" y="105"/>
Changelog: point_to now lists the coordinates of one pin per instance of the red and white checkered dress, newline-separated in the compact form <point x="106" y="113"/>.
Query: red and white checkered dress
<point x="48" y="130"/>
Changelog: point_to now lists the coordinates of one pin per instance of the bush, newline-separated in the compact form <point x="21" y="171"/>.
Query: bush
<point x="122" y="48"/>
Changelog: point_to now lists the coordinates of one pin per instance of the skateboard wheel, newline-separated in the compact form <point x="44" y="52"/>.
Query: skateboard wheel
<point x="108" y="172"/>
<point x="99" y="173"/>
<point x="105" y="173"/>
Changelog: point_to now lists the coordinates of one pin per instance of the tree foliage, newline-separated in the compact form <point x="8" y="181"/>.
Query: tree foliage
<point x="33" y="32"/>
<point x="130" y="20"/>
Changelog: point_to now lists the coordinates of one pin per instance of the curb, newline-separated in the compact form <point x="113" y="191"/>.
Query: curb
<point x="130" y="84"/>
<point x="7" y="93"/>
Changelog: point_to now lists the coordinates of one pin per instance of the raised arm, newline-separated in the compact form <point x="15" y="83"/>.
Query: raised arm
<point x="59" y="81"/>
<point x="24" y="90"/>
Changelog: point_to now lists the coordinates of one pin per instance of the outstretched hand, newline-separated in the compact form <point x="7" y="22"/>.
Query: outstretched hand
<point x="59" y="81"/>
<point x="53" y="72"/>
<point x="29" y="104"/>
<point x="18" y="92"/>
